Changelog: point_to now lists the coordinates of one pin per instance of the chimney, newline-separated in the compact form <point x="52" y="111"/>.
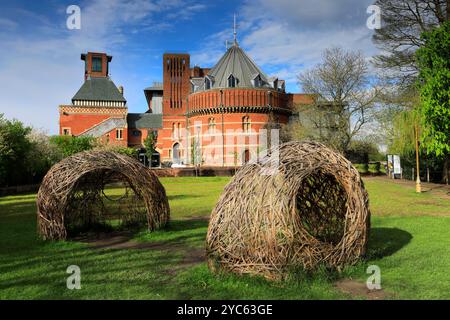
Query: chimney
<point x="121" y="90"/>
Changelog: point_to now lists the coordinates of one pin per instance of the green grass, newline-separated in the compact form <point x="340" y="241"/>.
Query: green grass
<point x="409" y="241"/>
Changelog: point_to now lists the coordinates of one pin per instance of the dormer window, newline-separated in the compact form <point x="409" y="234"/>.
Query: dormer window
<point x="231" y="81"/>
<point x="207" y="83"/>
<point x="275" y="84"/>
<point x="96" y="64"/>
<point x="257" y="81"/>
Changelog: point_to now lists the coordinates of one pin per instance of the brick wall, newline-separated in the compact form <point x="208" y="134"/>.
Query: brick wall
<point x="238" y="97"/>
<point x="176" y="84"/>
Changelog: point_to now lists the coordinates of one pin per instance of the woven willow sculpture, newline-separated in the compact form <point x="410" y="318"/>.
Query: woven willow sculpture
<point x="312" y="210"/>
<point x="72" y="194"/>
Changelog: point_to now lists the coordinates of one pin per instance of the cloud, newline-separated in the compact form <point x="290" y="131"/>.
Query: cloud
<point x="7" y="24"/>
<point x="284" y="37"/>
<point x="40" y="64"/>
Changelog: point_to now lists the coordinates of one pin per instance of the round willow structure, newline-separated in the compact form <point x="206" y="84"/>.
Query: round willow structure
<point x="306" y="209"/>
<point x="75" y="194"/>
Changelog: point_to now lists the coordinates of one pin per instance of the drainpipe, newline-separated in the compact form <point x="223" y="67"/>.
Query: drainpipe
<point x="187" y="144"/>
<point x="223" y="129"/>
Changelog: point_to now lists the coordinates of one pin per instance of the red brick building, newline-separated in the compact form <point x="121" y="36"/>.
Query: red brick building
<point x="210" y="116"/>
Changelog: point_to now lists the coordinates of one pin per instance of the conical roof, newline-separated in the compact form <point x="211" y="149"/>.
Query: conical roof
<point x="237" y="63"/>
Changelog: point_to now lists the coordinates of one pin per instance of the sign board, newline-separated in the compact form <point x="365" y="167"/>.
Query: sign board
<point x="394" y="166"/>
<point x="397" y="167"/>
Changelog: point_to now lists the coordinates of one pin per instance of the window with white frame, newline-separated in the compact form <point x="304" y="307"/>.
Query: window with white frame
<point x="119" y="134"/>
<point x="257" y="82"/>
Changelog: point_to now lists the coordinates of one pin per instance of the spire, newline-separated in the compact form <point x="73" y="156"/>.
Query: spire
<point x="234" y="30"/>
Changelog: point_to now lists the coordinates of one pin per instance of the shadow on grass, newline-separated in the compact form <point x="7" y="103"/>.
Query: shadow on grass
<point x="182" y="196"/>
<point x="188" y="224"/>
<point x="384" y="242"/>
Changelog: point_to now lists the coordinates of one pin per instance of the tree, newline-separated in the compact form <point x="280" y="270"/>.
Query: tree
<point x="150" y="145"/>
<point x="14" y="148"/>
<point x="345" y="97"/>
<point x="434" y="62"/>
<point x="400" y="36"/>
<point x="69" y="145"/>
<point x="42" y="154"/>
<point x="127" y="151"/>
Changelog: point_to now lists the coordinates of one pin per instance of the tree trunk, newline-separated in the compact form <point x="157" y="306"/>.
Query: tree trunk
<point x="445" y="171"/>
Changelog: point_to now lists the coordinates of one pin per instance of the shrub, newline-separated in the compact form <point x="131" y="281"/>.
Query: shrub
<point x="69" y="145"/>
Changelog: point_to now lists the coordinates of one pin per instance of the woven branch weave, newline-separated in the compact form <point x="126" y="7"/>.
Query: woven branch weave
<point x="312" y="211"/>
<point x="89" y="171"/>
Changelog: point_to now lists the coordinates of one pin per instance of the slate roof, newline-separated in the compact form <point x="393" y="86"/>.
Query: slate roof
<point x="236" y="62"/>
<point x="104" y="127"/>
<point x="144" y="120"/>
<point x="99" y="89"/>
<point x="199" y="83"/>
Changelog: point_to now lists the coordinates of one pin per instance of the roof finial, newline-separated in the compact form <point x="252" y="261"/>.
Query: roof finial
<point x="234" y="30"/>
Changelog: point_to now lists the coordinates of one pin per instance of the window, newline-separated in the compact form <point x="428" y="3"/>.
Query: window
<point x="211" y="125"/>
<point x="136" y="133"/>
<point x="231" y="81"/>
<point x="173" y="130"/>
<point x="179" y="131"/>
<point x="275" y="84"/>
<point x="257" y="82"/>
<point x="207" y="84"/>
<point x="246" y="124"/>
<point x="119" y="134"/>
<point x="96" y="64"/>
<point x="66" y="131"/>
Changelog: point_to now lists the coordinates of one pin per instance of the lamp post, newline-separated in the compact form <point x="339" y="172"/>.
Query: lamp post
<point x="418" y="186"/>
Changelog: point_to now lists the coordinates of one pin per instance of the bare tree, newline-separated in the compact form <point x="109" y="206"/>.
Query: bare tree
<point x="403" y="21"/>
<point x="345" y="98"/>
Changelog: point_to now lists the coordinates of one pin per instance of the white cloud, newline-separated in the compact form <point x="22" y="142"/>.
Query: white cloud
<point x="285" y="36"/>
<point x="7" y="24"/>
<point x="42" y="69"/>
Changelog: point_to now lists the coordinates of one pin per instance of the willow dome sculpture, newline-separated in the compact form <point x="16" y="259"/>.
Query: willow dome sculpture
<point x="313" y="210"/>
<point x="72" y="194"/>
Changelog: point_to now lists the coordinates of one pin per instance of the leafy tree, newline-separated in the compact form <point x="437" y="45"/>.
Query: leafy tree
<point x="345" y="98"/>
<point x="69" y="145"/>
<point x="362" y="151"/>
<point x="150" y="145"/>
<point x="434" y="63"/>
<point x="403" y="22"/>
<point x="14" y="148"/>
<point x="42" y="154"/>
<point x="403" y="138"/>
<point x="131" y="152"/>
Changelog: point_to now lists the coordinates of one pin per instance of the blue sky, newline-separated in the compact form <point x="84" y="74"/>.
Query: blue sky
<point x="40" y="64"/>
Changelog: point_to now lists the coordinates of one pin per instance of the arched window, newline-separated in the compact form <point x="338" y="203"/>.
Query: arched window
<point x="176" y="154"/>
<point x="231" y="81"/>
<point x="211" y="125"/>
<point x="246" y="124"/>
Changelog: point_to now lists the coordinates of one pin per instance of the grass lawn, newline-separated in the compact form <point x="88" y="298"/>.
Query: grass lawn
<point x="410" y="241"/>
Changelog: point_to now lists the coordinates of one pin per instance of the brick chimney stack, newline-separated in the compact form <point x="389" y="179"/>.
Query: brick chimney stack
<point x="96" y="65"/>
